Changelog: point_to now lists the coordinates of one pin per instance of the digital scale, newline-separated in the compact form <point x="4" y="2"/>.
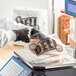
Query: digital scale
<point x="19" y="65"/>
<point x="15" y="67"/>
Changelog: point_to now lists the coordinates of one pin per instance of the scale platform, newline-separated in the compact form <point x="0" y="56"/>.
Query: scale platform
<point x="44" y="69"/>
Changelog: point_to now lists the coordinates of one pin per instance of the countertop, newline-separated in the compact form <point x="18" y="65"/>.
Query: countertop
<point x="7" y="52"/>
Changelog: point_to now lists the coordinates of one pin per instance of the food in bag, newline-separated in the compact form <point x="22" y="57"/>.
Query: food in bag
<point x="64" y="28"/>
<point x="41" y="44"/>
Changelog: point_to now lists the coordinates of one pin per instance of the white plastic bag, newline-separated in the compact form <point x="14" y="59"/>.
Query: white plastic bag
<point x="29" y="14"/>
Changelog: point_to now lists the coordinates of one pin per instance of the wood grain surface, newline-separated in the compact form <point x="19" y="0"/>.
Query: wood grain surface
<point x="7" y="52"/>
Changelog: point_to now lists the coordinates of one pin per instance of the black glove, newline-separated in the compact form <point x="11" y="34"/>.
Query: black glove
<point x="34" y="31"/>
<point x="22" y="35"/>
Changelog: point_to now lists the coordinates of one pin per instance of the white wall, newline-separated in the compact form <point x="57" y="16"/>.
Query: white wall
<point x="7" y="6"/>
<point x="42" y="4"/>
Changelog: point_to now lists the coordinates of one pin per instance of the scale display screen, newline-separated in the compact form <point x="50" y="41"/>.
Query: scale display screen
<point x="70" y="7"/>
<point x="14" y="68"/>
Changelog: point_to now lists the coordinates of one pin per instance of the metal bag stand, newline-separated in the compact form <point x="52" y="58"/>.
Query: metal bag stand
<point x="53" y="16"/>
<point x="75" y="40"/>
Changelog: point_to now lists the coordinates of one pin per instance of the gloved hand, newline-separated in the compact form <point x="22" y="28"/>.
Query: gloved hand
<point x="22" y="35"/>
<point x="34" y="31"/>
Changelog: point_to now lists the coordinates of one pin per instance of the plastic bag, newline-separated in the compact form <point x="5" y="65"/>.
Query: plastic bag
<point x="42" y="43"/>
<point x="36" y="18"/>
<point x="64" y="28"/>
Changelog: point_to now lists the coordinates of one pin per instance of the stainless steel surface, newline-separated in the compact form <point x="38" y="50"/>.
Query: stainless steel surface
<point x="21" y="54"/>
<point x="75" y="40"/>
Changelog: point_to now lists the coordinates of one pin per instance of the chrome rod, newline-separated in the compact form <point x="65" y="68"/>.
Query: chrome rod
<point x="53" y="17"/>
<point x="75" y="40"/>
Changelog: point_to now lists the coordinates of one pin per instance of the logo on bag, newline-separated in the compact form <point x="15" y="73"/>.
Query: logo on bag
<point x="28" y="21"/>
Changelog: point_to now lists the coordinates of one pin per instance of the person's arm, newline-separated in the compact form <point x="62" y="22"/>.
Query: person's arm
<point x="16" y="35"/>
<point x="6" y="37"/>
